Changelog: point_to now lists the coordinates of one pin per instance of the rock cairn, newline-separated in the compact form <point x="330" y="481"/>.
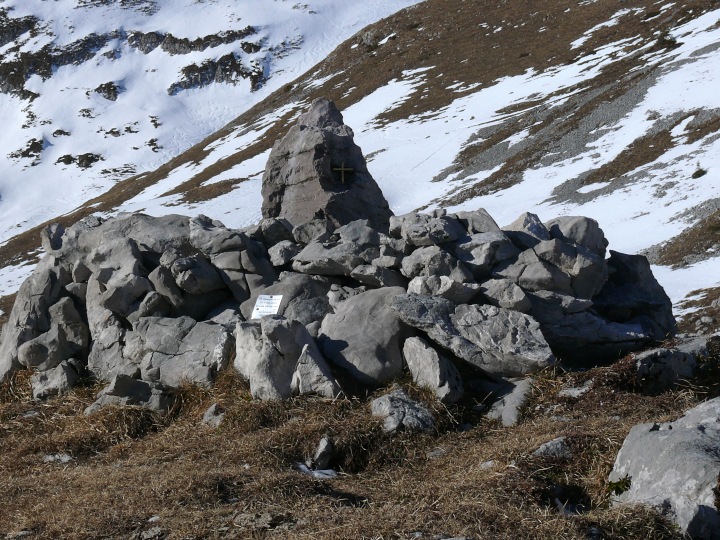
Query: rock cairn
<point x="149" y="304"/>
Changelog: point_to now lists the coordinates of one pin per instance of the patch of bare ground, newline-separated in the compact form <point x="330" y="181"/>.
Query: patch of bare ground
<point x="705" y="314"/>
<point x="703" y="238"/>
<point x="470" y="477"/>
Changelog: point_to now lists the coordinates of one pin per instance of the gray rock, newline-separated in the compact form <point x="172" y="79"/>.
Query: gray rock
<point x="315" y="230"/>
<point x="124" y="390"/>
<point x="576" y="391"/>
<point x="526" y="231"/>
<point x="312" y="375"/>
<point x="318" y="168"/>
<point x="275" y="231"/>
<point x="402" y="413"/>
<point x="443" y="286"/>
<point x="583" y="231"/>
<point x="78" y="292"/>
<point x="177" y="351"/>
<point x="214" y="415"/>
<point x="477" y="221"/>
<point x="164" y="284"/>
<point x="29" y="317"/>
<point x="196" y="275"/>
<point x="500" y="342"/>
<point x="674" y="467"/>
<point x="588" y="271"/>
<point x="212" y="237"/>
<point x="434" y="261"/>
<point x="512" y="397"/>
<point x="363" y="337"/>
<point x="534" y="274"/>
<point x="324" y="454"/>
<point x="632" y="295"/>
<point x="377" y="276"/>
<point x="662" y="368"/>
<point x="56" y="381"/>
<point x="304" y="298"/>
<point x="505" y="294"/>
<point x="431" y="370"/>
<point x="426" y="230"/>
<point x="329" y="259"/>
<point x="280" y="358"/>
<point x="283" y="252"/>
<point x="557" y="448"/>
<point x="359" y="232"/>
<point x="481" y="252"/>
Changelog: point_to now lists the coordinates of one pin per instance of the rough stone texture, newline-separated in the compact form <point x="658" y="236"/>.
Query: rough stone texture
<point x="662" y="368"/>
<point x="500" y="342"/>
<point x="402" y="413"/>
<point x="304" y="297"/>
<point x="426" y="230"/>
<point x="526" y="231"/>
<point x="443" y="286"/>
<point x="214" y="415"/>
<point x="579" y="230"/>
<point x="434" y="261"/>
<point x="633" y="295"/>
<point x="505" y="294"/>
<point x="512" y="397"/>
<point x="363" y="337"/>
<point x="674" y="467"/>
<point x="477" y="221"/>
<point x="329" y="259"/>
<point x="56" y="381"/>
<point x="29" y="317"/>
<point x="557" y="448"/>
<point x="433" y="371"/>
<point x="481" y="252"/>
<point x="301" y="180"/>
<point x="280" y="358"/>
<point x="124" y="390"/>
<point x="174" y="351"/>
<point x="283" y="252"/>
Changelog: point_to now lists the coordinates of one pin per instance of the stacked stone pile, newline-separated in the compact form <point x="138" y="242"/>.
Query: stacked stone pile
<point x="148" y="304"/>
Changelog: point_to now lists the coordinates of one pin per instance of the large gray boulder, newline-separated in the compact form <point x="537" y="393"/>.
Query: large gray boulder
<point x="317" y="169"/>
<point x="432" y="370"/>
<point x="176" y="351"/>
<point x="124" y="390"/>
<point x="663" y="368"/>
<point x="364" y="336"/>
<point x="674" y="467"/>
<point x="56" y="381"/>
<point x="481" y="252"/>
<point x="279" y="359"/>
<point x="501" y="342"/>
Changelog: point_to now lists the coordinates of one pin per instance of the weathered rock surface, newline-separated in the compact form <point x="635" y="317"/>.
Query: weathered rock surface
<point x="431" y="370"/>
<point x="401" y="412"/>
<point x="56" y="381"/>
<point x="124" y="390"/>
<point x="317" y="169"/>
<point x="280" y="358"/>
<point x="364" y="335"/>
<point x="511" y="398"/>
<point x="674" y="467"/>
<point x="500" y="342"/>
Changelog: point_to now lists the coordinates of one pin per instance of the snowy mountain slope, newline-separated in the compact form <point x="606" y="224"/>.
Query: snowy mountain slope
<point x="95" y="91"/>
<point x="606" y="109"/>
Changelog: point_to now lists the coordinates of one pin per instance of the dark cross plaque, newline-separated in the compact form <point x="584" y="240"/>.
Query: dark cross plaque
<point x="342" y="170"/>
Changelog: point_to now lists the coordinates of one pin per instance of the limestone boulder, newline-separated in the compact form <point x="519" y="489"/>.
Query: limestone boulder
<point x="56" y="381"/>
<point x="318" y="169"/>
<point x="431" y="370"/>
<point x="364" y="335"/>
<point x="482" y="252"/>
<point x="124" y="390"/>
<point x="401" y="413"/>
<point x="500" y="342"/>
<point x="673" y="466"/>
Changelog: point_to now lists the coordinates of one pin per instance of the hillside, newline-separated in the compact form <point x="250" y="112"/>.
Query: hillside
<point x="603" y="109"/>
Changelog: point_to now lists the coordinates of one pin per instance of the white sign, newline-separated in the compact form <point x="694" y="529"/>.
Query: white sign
<point x="266" y="304"/>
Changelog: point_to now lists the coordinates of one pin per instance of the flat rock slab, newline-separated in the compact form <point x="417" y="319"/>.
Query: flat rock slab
<point x="674" y="467"/>
<point x="499" y="341"/>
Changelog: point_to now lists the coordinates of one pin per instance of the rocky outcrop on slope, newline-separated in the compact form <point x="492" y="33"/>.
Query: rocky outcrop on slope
<point x="358" y="294"/>
<point x="318" y="172"/>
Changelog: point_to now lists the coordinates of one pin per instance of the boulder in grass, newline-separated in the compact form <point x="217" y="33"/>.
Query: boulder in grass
<point x="400" y="412"/>
<point x="674" y="467"/>
<point x="432" y="370"/>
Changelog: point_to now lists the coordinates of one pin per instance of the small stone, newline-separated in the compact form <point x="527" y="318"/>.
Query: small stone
<point x="557" y="448"/>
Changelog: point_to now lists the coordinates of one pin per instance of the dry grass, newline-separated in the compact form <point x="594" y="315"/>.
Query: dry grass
<point x="238" y="481"/>
<point x="698" y="239"/>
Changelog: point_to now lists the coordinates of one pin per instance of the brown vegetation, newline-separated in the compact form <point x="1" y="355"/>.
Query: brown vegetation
<point x="238" y="481"/>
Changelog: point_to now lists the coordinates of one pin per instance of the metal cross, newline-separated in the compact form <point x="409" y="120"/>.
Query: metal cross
<point x="342" y="170"/>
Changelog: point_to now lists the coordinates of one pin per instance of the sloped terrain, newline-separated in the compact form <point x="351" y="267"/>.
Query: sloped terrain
<point x="603" y="109"/>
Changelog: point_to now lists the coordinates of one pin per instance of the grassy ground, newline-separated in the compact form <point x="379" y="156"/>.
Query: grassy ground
<point x="138" y="475"/>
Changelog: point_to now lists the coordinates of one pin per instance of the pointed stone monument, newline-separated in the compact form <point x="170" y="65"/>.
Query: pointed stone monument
<point x="318" y="171"/>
